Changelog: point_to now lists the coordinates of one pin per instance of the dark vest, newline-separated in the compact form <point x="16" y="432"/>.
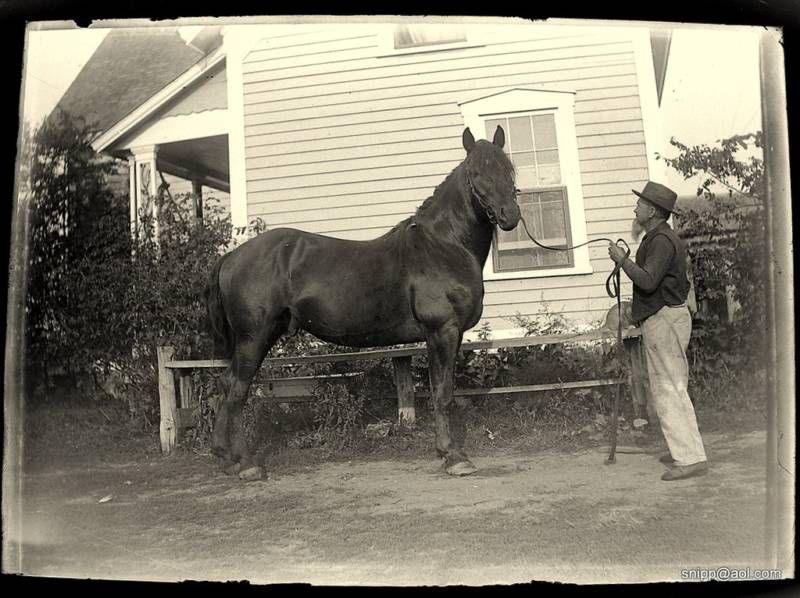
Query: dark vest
<point x="673" y="288"/>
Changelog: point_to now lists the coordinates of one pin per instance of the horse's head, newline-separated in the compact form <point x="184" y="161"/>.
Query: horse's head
<point x="490" y="176"/>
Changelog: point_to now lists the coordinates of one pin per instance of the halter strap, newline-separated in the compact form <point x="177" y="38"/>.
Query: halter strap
<point x="481" y="201"/>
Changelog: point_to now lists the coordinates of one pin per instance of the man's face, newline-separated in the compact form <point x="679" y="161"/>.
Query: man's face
<point x="643" y="211"/>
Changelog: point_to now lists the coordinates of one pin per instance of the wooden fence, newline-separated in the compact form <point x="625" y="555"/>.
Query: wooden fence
<point x="179" y="407"/>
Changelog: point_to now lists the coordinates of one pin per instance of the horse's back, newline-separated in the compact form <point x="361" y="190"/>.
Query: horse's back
<point x="354" y="292"/>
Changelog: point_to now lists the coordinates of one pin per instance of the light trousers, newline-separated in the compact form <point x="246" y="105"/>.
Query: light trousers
<point x="666" y="337"/>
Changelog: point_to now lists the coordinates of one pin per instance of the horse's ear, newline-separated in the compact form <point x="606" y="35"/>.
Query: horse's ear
<point x="499" y="137"/>
<point x="467" y="139"/>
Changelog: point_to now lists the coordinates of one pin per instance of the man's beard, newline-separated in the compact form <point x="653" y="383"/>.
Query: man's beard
<point x="636" y="230"/>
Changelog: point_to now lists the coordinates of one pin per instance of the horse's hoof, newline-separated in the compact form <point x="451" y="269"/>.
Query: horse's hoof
<point x="231" y="468"/>
<point x="461" y="468"/>
<point x="251" y="474"/>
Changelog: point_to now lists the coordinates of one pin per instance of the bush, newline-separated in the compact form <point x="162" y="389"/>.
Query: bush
<point x="66" y="188"/>
<point x="99" y="303"/>
<point x="727" y="245"/>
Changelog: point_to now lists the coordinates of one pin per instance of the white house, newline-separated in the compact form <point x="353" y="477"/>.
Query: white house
<point x="344" y="129"/>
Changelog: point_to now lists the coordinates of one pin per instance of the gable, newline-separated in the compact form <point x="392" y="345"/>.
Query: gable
<point x="211" y="93"/>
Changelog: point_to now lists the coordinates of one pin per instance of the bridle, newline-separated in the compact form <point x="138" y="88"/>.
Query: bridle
<point x="613" y="289"/>
<point x="482" y="201"/>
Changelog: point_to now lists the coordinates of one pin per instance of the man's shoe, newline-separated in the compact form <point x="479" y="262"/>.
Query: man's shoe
<point x="666" y="459"/>
<point x="681" y="472"/>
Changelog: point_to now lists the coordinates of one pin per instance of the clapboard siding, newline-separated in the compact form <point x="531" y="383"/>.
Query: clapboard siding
<point x="324" y="193"/>
<point x="588" y="89"/>
<point x="259" y="146"/>
<point x="611" y="140"/>
<point x="354" y="177"/>
<point x="256" y="114"/>
<point x="336" y="50"/>
<point x="354" y="100"/>
<point x="371" y="117"/>
<point x="393" y="211"/>
<point x="378" y="69"/>
<point x="331" y="156"/>
<point x="510" y="76"/>
<point x="359" y="167"/>
<point x="344" y="141"/>
<point x="284" y="203"/>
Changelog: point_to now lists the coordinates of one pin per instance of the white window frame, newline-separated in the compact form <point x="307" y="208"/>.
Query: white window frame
<point x="386" y="47"/>
<point x="518" y="101"/>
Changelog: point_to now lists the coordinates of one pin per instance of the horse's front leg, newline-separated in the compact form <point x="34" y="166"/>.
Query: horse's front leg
<point x="443" y="345"/>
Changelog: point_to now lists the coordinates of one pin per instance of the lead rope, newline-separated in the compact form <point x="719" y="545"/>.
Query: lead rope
<point x="613" y="290"/>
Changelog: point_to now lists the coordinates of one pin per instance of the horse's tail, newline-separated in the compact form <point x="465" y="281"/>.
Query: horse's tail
<point x="217" y="322"/>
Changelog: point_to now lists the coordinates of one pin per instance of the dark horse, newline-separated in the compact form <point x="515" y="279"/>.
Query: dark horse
<point x="422" y="280"/>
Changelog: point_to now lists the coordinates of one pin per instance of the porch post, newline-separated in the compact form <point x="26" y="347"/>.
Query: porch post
<point x="134" y="209"/>
<point x="145" y="186"/>
<point x="197" y="200"/>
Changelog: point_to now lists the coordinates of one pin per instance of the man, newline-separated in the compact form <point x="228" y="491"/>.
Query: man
<point x="660" y="290"/>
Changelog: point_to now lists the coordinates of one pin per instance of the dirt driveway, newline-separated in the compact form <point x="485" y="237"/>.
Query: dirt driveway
<point x="523" y="516"/>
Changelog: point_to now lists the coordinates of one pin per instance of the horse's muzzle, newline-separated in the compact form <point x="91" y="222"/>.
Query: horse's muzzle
<point x="508" y="218"/>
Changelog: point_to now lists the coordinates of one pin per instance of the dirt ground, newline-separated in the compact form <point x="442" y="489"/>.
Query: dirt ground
<point x="525" y="515"/>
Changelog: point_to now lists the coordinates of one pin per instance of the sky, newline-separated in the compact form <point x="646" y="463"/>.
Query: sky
<point x="711" y="90"/>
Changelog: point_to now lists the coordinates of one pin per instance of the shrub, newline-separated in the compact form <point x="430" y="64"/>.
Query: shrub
<point x="726" y="242"/>
<point x="68" y="195"/>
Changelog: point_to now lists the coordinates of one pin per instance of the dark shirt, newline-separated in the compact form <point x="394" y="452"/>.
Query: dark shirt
<point x="661" y="277"/>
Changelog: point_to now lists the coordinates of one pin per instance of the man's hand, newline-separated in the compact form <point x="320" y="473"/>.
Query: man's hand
<point x="616" y="253"/>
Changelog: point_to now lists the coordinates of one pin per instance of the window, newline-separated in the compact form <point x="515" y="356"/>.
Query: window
<point x="532" y="145"/>
<point x="414" y="35"/>
<point x="540" y="140"/>
<point x="414" y="38"/>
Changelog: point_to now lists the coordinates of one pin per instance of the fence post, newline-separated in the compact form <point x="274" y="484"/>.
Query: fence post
<point x="404" y="383"/>
<point x="187" y="411"/>
<point x="168" y="428"/>
<point x="639" y="381"/>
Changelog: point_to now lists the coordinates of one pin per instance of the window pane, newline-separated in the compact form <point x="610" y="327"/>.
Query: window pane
<point x="545" y="214"/>
<point x="549" y="196"/>
<point x="530" y="211"/>
<point x="410" y="36"/>
<point x="521" y="138"/>
<point x="549" y="174"/>
<point x="508" y="236"/>
<point x="554" y="222"/>
<point x="523" y="159"/>
<point x="547" y="157"/>
<point x="531" y="259"/>
<point x="544" y="131"/>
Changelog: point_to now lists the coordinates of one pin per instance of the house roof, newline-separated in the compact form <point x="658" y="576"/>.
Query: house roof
<point x="128" y="67"/>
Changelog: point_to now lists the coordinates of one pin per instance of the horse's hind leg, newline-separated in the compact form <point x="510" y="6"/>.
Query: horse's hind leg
<point x="228" y="437"/>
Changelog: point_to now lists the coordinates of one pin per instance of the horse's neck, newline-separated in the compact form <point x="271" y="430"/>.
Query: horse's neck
<point x="450" y="214"/>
